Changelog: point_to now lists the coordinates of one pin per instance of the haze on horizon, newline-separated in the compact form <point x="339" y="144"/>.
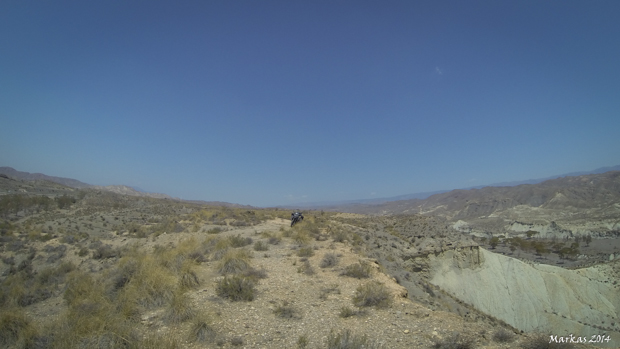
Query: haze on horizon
<point x="279" y="102"/>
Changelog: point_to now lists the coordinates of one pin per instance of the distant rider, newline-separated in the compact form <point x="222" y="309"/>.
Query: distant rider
<point x="296" y="217"/>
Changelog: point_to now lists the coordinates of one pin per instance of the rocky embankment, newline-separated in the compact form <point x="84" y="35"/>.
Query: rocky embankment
<point x="532" y="297"/>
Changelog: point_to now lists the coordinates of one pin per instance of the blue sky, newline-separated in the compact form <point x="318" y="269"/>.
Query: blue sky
<point x="280" y="102"/>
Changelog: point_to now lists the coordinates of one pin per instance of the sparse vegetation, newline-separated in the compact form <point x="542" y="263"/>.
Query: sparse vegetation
<point x="302" y="341"/>
<point x="234" y="261"/>
<point x="306" y="268"/>
<point x="136" y="283"/>
<point x="260" y="246"/>
<point x="347" y="340"/>
<point x="503" y="336"/>
<point x="239" y="241"/>
<point x="215" y="230"/>
<point x="454" y="341"/>
<point x="541" y="341"/>
<point x="179" y="309"/>
<point x="372" y="294"/>
<point x="329" y="260"/>
<point x="286" y="311"/>
<point x="201" y="331"/>
<point x="305" y="252"/>
<point x="236" y="288"/>
<point x="358" y="271"/>
<point x="326" y="291"/>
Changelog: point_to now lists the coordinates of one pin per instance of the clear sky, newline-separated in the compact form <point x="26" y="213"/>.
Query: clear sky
<point x="279" y="102"/>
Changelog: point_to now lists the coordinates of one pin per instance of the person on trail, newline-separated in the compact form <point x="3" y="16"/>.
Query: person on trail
<point x="296" y="217"/>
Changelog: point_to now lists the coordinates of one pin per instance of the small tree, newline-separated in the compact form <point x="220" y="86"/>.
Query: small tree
<point x="493" y="242"/>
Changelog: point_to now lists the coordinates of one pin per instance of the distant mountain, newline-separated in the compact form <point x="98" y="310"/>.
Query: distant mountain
<point x="69" y="182"/>
<point x="348" y="204"/>
<point x="126" y="190"/>
<point x="573" y="196"/>
<point x="10" y="172"/>
<point x="540" y="180"/>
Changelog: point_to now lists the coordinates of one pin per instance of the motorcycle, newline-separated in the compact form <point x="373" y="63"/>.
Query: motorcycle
<point x="296" y="218"/>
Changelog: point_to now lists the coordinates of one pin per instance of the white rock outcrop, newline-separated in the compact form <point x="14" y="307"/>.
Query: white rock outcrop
<point x="533" y="297"/>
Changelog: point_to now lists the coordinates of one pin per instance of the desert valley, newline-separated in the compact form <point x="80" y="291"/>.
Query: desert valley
<point x="528" y="266"/>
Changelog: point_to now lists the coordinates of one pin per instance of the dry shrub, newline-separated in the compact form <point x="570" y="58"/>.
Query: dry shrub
<point x="329" y="260"/>
<point x="358" y="270"/>
<point x="348" y="340"/>
<point x="233" y="262"/>
<point x="454" y="341"/>
<point x="286" y="311"/>
<point x="305" y="252"/>
<point x="503" y="336"/>
<point x="239" y="241"/>
<point x="306" y="268"/>
<point x="16" y="329"/>
<point x="372" y="294"/>
<point x="301" y="237"/>
<point x="254" y="274"/>
<point x="260" y="246"/>
<point x="151" y="284"/>
<point x="179" y="310"/>
<point x="188" y="278"/>
<point x="236" y="288"/>
<point x="201" y="330"/>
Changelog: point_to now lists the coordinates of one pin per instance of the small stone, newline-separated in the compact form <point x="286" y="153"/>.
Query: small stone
<point x="406" y="331"/>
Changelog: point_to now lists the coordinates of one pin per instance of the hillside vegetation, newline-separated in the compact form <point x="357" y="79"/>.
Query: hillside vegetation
<point x="95" y="269"/>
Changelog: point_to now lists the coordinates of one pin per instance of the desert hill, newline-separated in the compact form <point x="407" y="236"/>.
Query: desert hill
<point x="98" y="268"/>
<point x="108" y="270"/>
<point x="24" y="182"/>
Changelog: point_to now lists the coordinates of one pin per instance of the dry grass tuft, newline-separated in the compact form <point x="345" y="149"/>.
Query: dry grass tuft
<point x="234" y="262"/>
<point x="16" y="329"/>
<point x="201" y="331"/>
<point x="236" y="288"/>
<point x="179" y="310"/>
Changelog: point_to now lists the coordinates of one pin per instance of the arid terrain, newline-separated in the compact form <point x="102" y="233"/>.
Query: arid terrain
<point x="94" y="268"/>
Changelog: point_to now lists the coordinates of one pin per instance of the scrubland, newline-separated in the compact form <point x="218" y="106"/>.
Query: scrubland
<point x="101" y="270"/>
